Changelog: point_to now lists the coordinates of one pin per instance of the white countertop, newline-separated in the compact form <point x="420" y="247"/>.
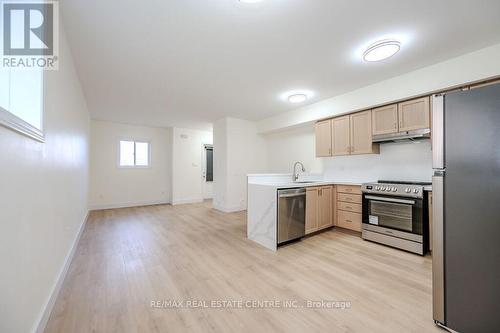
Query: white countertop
<point x="308" y="184"/>
<point x="280" y="181"/>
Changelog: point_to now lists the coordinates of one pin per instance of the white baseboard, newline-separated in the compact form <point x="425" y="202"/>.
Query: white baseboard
<point x="51" y="301"/>
<point x="129" y="204"/>
<point x="233" y="209"/>
<point x="186" y="201"/>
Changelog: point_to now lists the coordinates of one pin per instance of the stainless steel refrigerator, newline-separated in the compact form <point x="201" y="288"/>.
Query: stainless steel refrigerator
<point x="466" y="210"/>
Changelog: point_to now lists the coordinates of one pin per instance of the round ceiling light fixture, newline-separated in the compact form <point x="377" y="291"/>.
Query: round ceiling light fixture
<point x="297" y="98"/>
<point x="381" y="50"/>
<point x="250" y="1"/>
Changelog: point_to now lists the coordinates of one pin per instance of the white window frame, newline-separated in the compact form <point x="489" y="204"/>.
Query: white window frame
<point x="134" y="166"/>
<point x="13" y="122"/>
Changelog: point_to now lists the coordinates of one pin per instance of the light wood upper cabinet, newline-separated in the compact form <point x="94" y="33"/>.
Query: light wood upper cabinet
<point x="341" y="138"/>
<point x="312" y="196"/>
<point x="385" y="120"/>
<point x="414" y="114"/>
<point x="361" y="134"/>
<point x="325" y="207"/>
<point x="323" y="138"/>
<point x="353" y="134"/>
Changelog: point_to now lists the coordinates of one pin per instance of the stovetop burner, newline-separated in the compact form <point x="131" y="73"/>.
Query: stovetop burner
<point x="404" y="182"/>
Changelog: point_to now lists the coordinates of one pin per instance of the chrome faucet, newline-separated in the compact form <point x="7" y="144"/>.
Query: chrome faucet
<point x="295" y="173"/>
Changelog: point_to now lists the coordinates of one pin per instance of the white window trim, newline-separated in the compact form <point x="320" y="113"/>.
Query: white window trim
<point x="13" y="122"/>
<point x="135" y="166"/>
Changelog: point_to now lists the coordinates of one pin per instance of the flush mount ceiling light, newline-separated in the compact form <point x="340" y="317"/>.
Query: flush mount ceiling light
<point x="297" y="98"/>
<point x="381" y="50"/>
<point x="250" y="1"/>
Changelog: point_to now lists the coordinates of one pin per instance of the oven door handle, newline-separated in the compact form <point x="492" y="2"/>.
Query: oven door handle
<point x="372" y="197"/>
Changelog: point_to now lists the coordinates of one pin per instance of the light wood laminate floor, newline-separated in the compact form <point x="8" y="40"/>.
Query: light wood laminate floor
<point x="128" y="258"/>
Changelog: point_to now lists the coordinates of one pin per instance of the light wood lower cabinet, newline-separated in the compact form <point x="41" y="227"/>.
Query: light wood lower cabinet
<point x="333" y="205"/>
<point x="312" y="198"/>
<point x="350" y="198"/>
<point x="319" y="208"/>
<point x="325" y="207"/>
<point x="349" y="220"/>
<point x="349" y="189"/>
<point x="349" y="207"/>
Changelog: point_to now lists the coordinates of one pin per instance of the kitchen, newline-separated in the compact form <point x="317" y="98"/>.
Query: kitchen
<point x="406" y="123"/>
<point x="401" y="214"/>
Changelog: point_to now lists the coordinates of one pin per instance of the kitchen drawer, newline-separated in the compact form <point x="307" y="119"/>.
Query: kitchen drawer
<point x="350" y="207"/>
<point x="349" y="220"/>
<point x="351" y="198"/>
<point x="350" y="189"/>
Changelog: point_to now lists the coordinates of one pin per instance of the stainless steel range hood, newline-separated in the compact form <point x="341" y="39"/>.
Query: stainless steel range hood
<point x="415" y="135"/>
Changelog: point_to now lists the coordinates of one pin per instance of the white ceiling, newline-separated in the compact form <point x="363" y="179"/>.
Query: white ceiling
<point x="188" y="63"/>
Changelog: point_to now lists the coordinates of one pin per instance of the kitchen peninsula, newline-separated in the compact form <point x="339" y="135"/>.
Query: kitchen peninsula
<point x="262" y="218"/>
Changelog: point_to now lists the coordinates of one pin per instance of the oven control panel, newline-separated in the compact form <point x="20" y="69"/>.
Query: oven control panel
<point x="402" y="190"/>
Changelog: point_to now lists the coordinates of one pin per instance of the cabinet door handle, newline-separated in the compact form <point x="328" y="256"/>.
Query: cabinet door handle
<point x="348" y="221"/>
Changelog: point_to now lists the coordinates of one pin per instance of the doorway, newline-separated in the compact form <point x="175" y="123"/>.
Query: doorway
<point x="208" y="171"/>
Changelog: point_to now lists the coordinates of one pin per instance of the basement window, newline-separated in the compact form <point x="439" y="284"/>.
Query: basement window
<point x="21" y="101"/>
<point x="134" y="154"/>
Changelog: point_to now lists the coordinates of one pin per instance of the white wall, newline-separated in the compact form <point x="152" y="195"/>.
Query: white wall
<point x="238" y="150"/>
<point x="111" y="186"/>
<point x="220" y="164"/>
<point x="287" y="147"/>
<point x="43" y="195"/>
<point x="187" y="153"/>
<point x="475" y="66"/>
<point x="401" y="161"/>
<point x="396" y="161"/>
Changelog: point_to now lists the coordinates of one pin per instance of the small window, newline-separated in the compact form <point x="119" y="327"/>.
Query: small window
<point x="21" y="101"/>
<point x="134" y="154"/>
<point x="210" y="163"/>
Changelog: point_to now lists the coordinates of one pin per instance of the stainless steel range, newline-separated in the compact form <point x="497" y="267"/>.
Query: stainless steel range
<point x="395" y="213"/>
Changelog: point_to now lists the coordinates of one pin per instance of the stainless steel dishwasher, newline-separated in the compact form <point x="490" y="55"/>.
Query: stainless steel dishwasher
<point x="291" y="214"/>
